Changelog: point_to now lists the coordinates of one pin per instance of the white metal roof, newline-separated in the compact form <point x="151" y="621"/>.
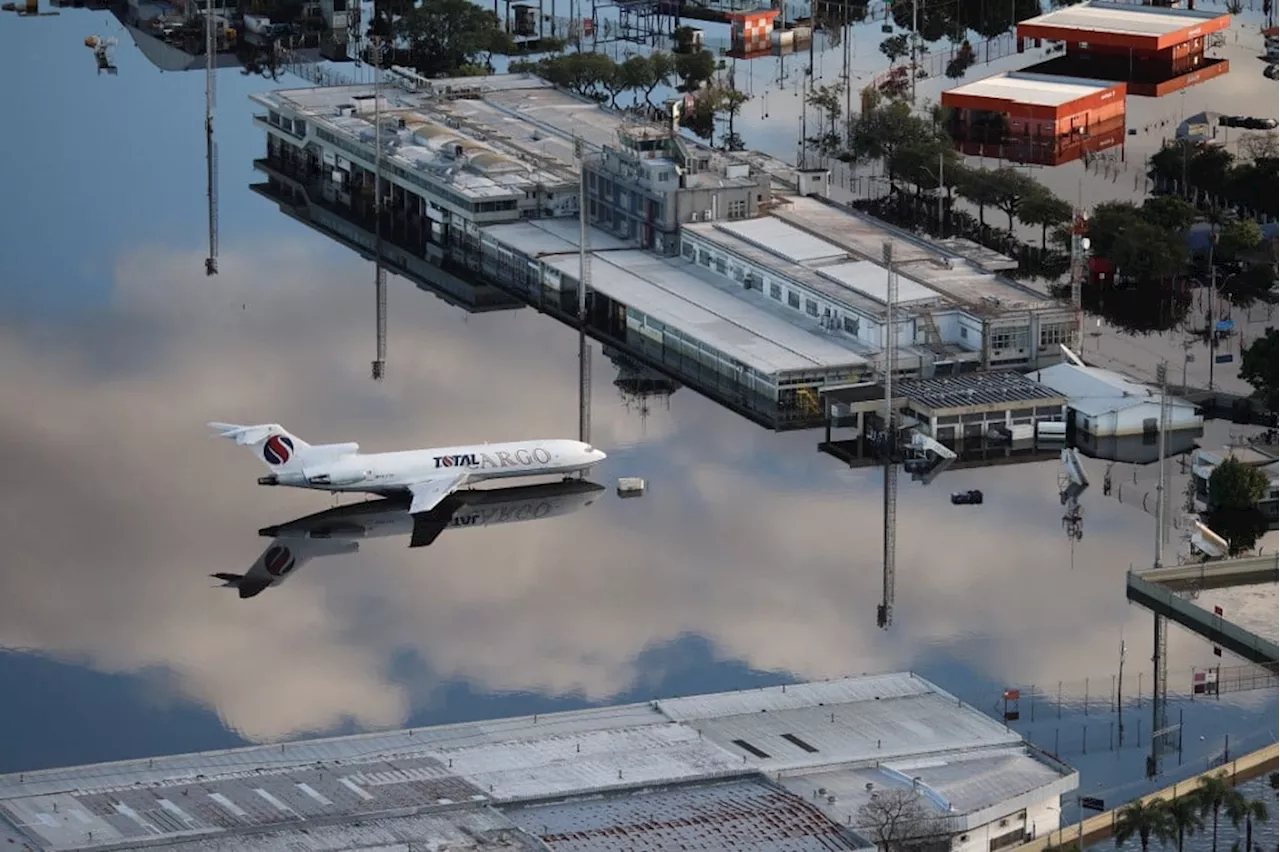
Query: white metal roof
<point x="872" y="281"/>
<point x="1026" y="88"/>
<point x="1123" y="18"/>
<point x="1094" y="391"/>
<point x="740" y="330"/>
<point x="537" y="237"/>
<point x="786" y="241"/>
<point x="342" y="792"/>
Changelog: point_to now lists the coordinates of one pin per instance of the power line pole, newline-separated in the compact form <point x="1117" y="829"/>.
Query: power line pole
<point x="584" y="281"/>
<point x="379" y="274"/>
<point x="211" y="147"/>
<point x="915" y="44"/>
<point x="1079" y="245"/>
<point x="884" y="615"/>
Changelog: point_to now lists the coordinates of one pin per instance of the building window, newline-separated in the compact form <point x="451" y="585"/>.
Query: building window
<point x="1009" y="338"/>
<point x="775" y="290"/>
<point x="688" y="251"/>
<point x="1051" y="335"/>
<point x="793" y="299"/>
<point x="738" y="209"/>
<point x="964" y="332"/>
<point x="720" y="266"/>
<point x="704" y="258"/>
<point x="851" y="325"/>
<point x="811" y="307"/>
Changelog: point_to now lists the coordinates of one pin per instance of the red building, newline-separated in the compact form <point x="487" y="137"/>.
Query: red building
<point x="751" y="33"/>
<point x="1156" y="50"/>
<point x="1035" y="118"/>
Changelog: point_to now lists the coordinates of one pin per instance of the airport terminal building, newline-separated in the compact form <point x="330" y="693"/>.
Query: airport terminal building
<point x="730" y="272"/>
<point x="801" y="764"/>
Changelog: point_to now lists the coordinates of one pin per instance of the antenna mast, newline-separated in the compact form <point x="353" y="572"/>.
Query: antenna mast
<point x="1079" y="245"/>
<point x="211" y="147"/>
<point x="884" y="614"/>
<point x="379" y="274"/>
<point x="584" y="281"/>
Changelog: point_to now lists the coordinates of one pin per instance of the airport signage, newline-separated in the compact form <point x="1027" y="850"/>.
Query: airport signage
<point x="499" y="459"/>
<point x="1092" y="803"/>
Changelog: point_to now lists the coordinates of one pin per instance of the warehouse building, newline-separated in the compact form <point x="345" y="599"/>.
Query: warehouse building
<point x="1036" y="118"/>
<point x="787" y="767"/>
<point x="1112" y="416"/>
<point x="1154" y="49"/>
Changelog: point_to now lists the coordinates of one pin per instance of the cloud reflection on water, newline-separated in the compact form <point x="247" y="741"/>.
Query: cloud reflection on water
<point x="120" y="506"/>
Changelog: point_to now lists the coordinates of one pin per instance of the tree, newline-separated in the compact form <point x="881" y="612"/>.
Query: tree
<point x="828" y="99"/>
<point x="1260" y="366"/>
<point x="1236" y="486"/>
<point x="444" y="35"/>
<point x="895" y="47"/>
<point x="1211" y="794"/>
<point x="1238" y="238"/>
<point x="1169" y="211"/>
<point x="1240" y="808"/>
<point x="1250" y="284"/>
<point x="1184" y="815"/>
<point x="661" y="68"/>
<point x="878" y="133"/>
<point x="1240" y="528"/>
<point x="1145" y="819"/>
<point x="1010" y="188"/>
<point x="894" y="818"/>
<point x="694" y="69"/>
<point x="976" y="187"/>
<point x="1047" y="210"/>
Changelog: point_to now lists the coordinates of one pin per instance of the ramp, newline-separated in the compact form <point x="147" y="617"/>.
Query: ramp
<point x="1216" y="629"/>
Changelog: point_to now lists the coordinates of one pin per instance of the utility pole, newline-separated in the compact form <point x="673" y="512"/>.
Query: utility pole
<point x="584" y="281"/>
<point x="211" y="147"/>
<point x="1162" y="376"/>
<point x="1079" y="267"/>
<point x="942" y="231"/>
<point x="379" y="274"/>
<point x="915" y="44"/>
<point x="884" y="615"/>
<point x="1209" y="323"/>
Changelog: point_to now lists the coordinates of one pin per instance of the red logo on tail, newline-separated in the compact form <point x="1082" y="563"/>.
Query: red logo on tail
<point x="278" y="561"/>
<point x="278" y="449"/>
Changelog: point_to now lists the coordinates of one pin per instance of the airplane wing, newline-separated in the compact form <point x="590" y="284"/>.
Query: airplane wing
<point x="428" y="493"/>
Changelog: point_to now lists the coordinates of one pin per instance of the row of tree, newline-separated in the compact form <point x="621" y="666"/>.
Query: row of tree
<point x="1169" y="821"/>
<point x="1247" y="181"/>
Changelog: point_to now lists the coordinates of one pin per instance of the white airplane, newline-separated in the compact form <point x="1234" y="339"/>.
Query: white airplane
<point x="427" y="476"/>
<point x="339" y="531"/>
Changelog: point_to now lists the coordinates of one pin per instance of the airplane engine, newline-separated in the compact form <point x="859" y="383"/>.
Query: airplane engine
<point x="340" y="473"/>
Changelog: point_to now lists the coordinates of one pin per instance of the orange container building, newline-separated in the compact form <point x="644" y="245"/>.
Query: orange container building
<point x="1035" y="118"/>
<point x="1155" y="49"/>
<point x="751" y="33"/>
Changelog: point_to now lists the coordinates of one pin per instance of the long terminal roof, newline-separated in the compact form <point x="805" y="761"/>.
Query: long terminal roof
<point x="483" y="784"/>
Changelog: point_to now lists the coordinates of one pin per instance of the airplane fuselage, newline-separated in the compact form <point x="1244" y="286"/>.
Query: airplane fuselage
<point x="392" y="473"/>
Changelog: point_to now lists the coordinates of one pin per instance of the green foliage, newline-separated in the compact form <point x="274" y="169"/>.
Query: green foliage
<point x="829" y="100"/>
<point x="1260" y="365"/>
<point x="1250" y="182"/>
<point x="694" y="69"/>
<point x="1169" y="212"/>
<point x="1236" y="485"/>
<point x="598" y="76"/>
<point x="445" y="35"/>
<point x="895" y="47"/>
<point x="1046" y="210"/>
<point x="1146" y="820"/>
<point x="1140" y="248"/>
<point x="1010" y="188"/>
<point x="1237" y="239"/>
<point x="1184" y="814"/>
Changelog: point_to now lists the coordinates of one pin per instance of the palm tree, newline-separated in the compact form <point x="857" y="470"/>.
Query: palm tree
<point x="1184" y="818"/>
<point x="1145" y="819"/>
<point x="1212" y="793"/>
<point x="1240" y="808"/>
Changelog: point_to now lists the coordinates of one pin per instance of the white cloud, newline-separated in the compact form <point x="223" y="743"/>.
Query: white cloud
<point x="119" y="505"/>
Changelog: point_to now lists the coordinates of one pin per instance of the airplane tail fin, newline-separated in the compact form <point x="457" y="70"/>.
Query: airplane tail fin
<point x="274" y="445"/>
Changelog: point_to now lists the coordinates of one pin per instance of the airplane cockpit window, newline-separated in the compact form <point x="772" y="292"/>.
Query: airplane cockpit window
<point x="589" y="448"/>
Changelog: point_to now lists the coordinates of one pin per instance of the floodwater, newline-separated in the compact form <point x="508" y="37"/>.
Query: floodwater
<point x="752" y="559"/>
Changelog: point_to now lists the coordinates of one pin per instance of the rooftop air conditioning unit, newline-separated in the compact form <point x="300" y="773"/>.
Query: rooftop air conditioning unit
<point x="706" y="215"/>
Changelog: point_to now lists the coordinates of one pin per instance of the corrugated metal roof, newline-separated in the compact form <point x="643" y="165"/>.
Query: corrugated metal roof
<point x="749" y="815"/>
<point x="1122" y="18"/>
<point x="786" y="241"/>
<point x="1095" y="391"/>
<point x="342" y="793"/>
<point x="974" y="782"/>
<point x="1000" y="387"/>
<point x="1027" y="88"/>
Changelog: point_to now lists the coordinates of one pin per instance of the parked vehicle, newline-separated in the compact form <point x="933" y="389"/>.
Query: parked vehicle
<point x="967" y="498"/>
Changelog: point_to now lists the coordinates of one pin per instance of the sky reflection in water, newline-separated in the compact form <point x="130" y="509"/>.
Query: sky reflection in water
<point x="751" y="552"/>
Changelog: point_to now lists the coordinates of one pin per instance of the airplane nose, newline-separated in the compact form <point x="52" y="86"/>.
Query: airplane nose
<point x="598" y="456"/>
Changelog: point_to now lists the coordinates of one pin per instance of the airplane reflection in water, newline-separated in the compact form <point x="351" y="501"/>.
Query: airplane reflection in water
<point x="338" y="531"/>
